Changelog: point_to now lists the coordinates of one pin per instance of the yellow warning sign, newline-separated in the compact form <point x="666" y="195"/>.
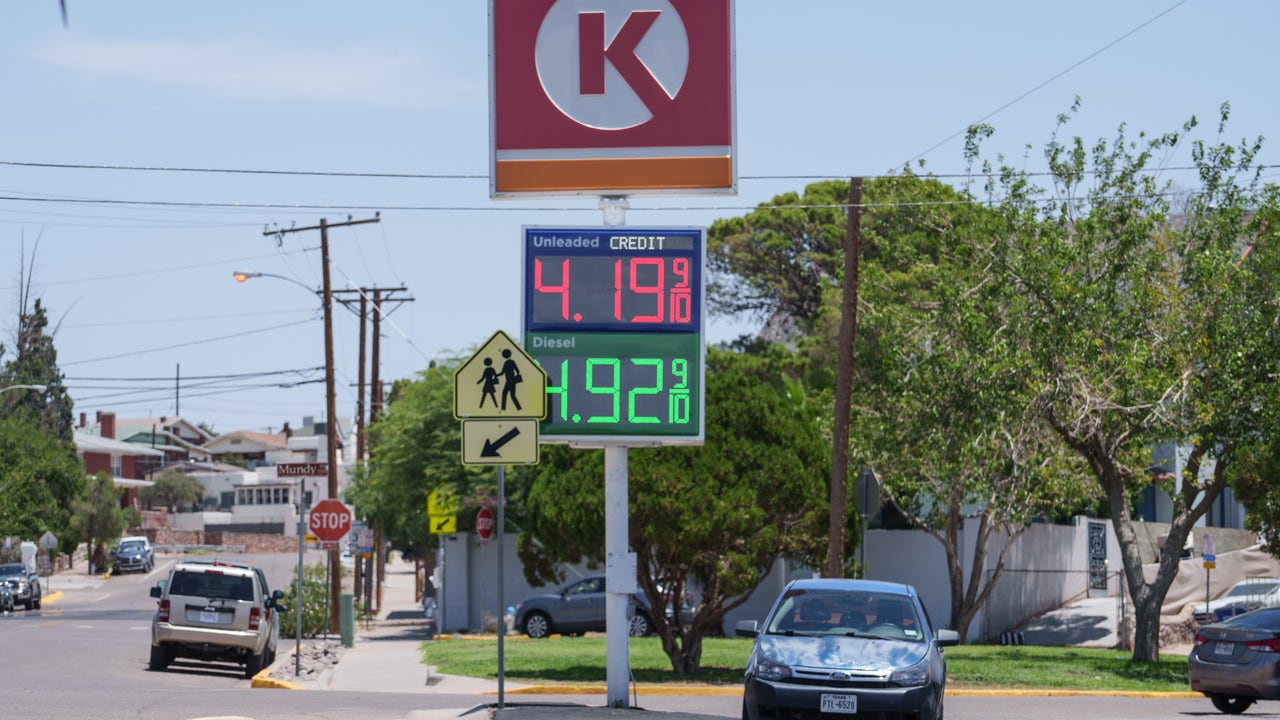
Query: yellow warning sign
<point x="500" y="381"/>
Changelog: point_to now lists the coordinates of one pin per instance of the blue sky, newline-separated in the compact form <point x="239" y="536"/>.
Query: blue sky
<point x="141" y="286"/>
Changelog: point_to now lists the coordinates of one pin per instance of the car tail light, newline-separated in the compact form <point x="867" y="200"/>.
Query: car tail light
<point x="163" y="613"/>
<point x="1268" y="645"/>
<point x="255" y="618"/>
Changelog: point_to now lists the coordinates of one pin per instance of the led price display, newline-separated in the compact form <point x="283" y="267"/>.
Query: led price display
<point x="618" y="384"/>
<point x="613" y="279"/>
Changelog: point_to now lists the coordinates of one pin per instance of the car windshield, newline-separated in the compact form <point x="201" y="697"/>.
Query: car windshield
<point x="1268" y="619"/>
<point x="15" y="570"/>
<point x="131" y="547"/>
<point x="213" y="585"/>
<point x="889" y="616"/>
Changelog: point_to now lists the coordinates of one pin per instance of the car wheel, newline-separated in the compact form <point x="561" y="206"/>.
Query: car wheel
<point x="253" y="665"/>
<point x="640" y="625"/>
<point x="537" y="625"/>
<point x="161" y="656"/>
<point x="1231" y="705"/>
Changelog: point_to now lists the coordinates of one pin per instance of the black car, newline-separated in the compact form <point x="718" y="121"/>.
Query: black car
<point x="132" y="554"/>
<point x="577" y="608"/>
<point x="853" y="647"/>
<point x="24" y="585"/>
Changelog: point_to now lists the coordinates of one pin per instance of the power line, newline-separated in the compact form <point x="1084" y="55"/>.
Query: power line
<point x="1021" y="97"/>
<point x="182" y="345"/>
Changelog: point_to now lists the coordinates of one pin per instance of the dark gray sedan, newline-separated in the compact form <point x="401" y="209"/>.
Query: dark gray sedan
<point x="845" y="647"/>
<point x="1237" y="662"/>
<point x="577" y="608"/>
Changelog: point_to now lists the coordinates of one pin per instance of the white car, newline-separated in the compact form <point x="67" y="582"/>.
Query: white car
<point x="1240" y="598"/>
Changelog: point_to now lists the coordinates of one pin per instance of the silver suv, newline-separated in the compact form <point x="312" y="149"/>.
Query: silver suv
<point x="215" y="611"/>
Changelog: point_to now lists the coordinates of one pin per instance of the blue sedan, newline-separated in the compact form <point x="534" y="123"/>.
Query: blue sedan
<point x="851" y="647"/>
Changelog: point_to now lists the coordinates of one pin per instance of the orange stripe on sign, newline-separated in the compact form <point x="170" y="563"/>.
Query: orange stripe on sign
<point x="582" y="175"/>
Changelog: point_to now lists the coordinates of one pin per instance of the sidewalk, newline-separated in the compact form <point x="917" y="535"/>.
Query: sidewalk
<point x="386" y="653"/>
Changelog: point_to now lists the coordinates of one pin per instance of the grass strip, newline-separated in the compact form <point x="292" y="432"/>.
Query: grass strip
<point x="577" y="660"/>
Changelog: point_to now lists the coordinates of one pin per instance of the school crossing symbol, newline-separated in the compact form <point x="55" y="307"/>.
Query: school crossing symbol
<point x="499" y="394"/>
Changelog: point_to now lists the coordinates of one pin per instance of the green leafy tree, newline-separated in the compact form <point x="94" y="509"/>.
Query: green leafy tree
<point x="36" y="363"/>
<point x="1147" y="326"/>
<point x="97" y="518"/>
<point x="723" y="513"/>
<point x="39" y="476"/>
<point x="415" y="450"/>
<point x="172" y="490"/>
<point x="940" y="401"/>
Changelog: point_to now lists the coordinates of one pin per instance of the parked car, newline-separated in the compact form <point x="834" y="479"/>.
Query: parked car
<point x="1240" y="598"/>
<point x="577" y="608"/>
<point x="24" y="585"/>
<point x="215" y="611"/>
<point x="133" y="553"/>
<point x="845" y="647"/>
<point x="1236" y="662"/>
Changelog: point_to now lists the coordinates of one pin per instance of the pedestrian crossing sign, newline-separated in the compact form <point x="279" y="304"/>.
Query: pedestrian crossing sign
<point x="500" y="381"/>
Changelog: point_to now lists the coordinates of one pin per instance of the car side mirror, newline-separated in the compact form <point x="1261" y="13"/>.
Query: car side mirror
<point x="157" y="591"/>
<point x="947" y="638"/>
<point x="746" y="628"/>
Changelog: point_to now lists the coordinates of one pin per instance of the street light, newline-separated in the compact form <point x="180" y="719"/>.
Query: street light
<point x="331" y="429"/>
<point x="36" y="387"/>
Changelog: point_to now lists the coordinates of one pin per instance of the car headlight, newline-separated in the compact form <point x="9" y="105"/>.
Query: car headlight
<point x="917" y="674"/>
<point x="767" y="669"/>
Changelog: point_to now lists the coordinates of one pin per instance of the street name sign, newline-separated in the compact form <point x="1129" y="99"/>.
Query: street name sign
<point x="611" y="97"/>
<point x="304" y="470"/>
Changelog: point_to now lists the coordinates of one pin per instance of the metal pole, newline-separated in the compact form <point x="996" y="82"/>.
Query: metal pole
<point x="502" y="609"/>
<point x="297" y="645"/>
<point x="616" y="539"/>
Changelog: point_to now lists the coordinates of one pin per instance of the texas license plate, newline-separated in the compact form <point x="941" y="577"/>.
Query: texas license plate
<point x="847" y="704"/>
<point x="1224" y="648"/>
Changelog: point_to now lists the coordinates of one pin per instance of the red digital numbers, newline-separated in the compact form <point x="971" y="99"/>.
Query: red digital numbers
<point x="610" y="290"/>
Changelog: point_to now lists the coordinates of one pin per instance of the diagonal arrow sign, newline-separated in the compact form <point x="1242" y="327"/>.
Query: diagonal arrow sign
<point x="443" y="523"/>
<point x="491" y="447"/>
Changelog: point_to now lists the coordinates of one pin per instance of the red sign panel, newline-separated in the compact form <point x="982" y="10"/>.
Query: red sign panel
<point x="484" y="525"/>
<point x="612" y="97"/>
<point x="329" y="520"/>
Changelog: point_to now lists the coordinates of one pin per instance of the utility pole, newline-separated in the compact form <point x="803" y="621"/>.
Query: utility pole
<point x="331" y="425"/>
<point x="380" y="307"/>
<point x="844" y="385"/>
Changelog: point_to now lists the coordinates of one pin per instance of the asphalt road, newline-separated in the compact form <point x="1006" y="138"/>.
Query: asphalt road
<point x="86" y="653"/>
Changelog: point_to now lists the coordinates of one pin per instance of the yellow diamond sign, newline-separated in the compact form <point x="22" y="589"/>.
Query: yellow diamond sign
<point x="500" y="381"/>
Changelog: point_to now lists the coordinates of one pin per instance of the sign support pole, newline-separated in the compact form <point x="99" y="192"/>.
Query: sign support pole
<point x="502" y="610"/>
<point x="616" y="546"/>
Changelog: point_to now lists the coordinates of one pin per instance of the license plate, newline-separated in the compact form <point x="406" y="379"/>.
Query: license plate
<point x="847" y="704"/>
<point x="1224" y="648"/>
<point x="210" y="616"/>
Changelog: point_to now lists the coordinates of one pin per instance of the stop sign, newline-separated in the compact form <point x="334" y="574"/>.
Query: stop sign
<point x="484" y="525"/>
<point x="329" y="520"/>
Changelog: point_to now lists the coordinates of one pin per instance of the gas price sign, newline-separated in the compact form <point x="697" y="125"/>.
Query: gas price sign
<point x="614" y="317"/>
<point x="615" y="279"/>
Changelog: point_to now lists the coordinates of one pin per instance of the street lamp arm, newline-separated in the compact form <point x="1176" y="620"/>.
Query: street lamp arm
<point x="244" y="275"/>
<point x="36" y="387"/>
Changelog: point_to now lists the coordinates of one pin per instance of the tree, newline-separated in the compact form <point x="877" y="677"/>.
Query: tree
<point x="940" y="401"/>
<point x="414" y="451"/>
<point x="96" y="517"/>
<point x="36" y="363"/>
<point x="39" y="476"/>
<point x="1147" y="327"/>
<point x="172" y="490"/>
<point x="723" y="513"/>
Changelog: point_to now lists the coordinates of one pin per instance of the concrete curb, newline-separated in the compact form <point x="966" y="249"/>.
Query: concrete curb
<point x="951" y="692"/>
<point x="264" y="680"/>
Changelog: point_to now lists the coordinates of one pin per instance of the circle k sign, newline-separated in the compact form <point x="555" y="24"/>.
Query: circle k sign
<point x="612" y="97"/>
